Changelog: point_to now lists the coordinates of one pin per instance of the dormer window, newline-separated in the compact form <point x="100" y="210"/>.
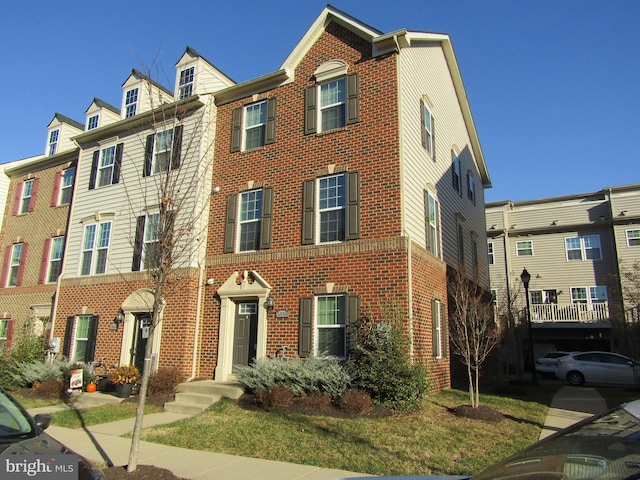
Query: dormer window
<point x="131" y="103"/>
<point x="53" y="142"/>
<point x="186" y="83"/>
<point x="93" y="122"/>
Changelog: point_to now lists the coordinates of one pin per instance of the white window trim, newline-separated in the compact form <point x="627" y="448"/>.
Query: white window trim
<point x="589" y="299"/>
<point x="319" y="211"/>
<point x="129" y="104"/>
<point x="51" y="259"/>
<point x="244" y="222"/>
<point x="583" y="249"/>
<point x="438" y="328"/>
<point x="428" y="128"/>
<point x="435" y="249"/>
<point x="457" y="172"/>
<point x="168" y="151"/>
<point x="52" y="144"/>
<point x="94" y="248"/>
<point x="630" y="238"/>
<point x="148" y="225"/>
<point x="25" y="208"/>
<point x="76" y="338"/>
<point x="63" y="187"/>
<point x="183" y="86"/>
<point x="89" y="121"/>
<point x="262" y="125"/>
<point x="317" y="327"/>
<point x="14" y="264"/>
<point x="519" y="248"/>
<point x="490" y="253"/>
<point x="321" y="108"/>
<point x="100" y="168"/>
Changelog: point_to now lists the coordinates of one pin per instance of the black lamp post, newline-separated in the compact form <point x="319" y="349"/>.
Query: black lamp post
<point x="526" y="277"/>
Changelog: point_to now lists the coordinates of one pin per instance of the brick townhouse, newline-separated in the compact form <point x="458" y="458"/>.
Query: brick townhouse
<point x="34" y="230"/>
<point x="347" y="183"/>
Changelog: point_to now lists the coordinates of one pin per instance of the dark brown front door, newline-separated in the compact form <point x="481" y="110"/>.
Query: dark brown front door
<point x="245" y="333"/>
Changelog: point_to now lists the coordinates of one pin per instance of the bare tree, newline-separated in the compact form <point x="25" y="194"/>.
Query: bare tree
<point x="625" y="314"/>
<point x="473" y="329"/>
<point x="177" y="192"/>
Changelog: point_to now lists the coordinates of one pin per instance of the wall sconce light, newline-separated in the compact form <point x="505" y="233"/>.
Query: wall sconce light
<point x="119" y="318"/>
<point x="269" y="303"/>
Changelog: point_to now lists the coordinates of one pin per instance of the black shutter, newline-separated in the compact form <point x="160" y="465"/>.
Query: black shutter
<point x="310" y="118"/>
<point x="444" y="325"/>
<point x="270" y="134"/>
<point x="117" y="164"/>
<point x="91" y="342"/>
<point x="236" y="130"/>
<point x="94" y="169"/>
<point x="148" y="156"/>
<point x="137" y="244"/>
<point x="68" y="334"/>
<point x="267" y="217"/>
<point x="353" y="205"/>
<point x="305" y="320"/>
<point x="230" y="224"/>
<point x="353" y="99"/>
<point x="352" y="321"/>
<point x="176" y="151"/>
<point x="307" y="211"/>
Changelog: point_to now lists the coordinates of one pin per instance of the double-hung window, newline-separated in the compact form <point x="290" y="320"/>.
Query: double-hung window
<point x="633" y="238"/>
<point x="331" y="208"/>
<point x="105" y="166"/>
<point x="66" y="185"/>
<point x="27" y="193"/>
<point x="436" y="328"/>
<point x="55" y="259"/>
<point x="95" y="248"/>
<point x="250" y="220"/>
<point x="14" y="264"/>
<point x="427" y="123"/>
<point x="583" y="248"/>
<point x="105" y="169"/>
<point x="490" y="253"/>
<point x="524" y="248"/>
<point x="93" y="122"/>
<point x="154" y="238"/>
<point x="471" y="188"/>
<point x="331" y="338"/>
<point x="590" y="295"/>
<point x="185" y="88"/>
<point x="4" y="334"/>
<point x="81" y="338"/>
<point x="151" y="250"/>
<point x="53" y="142"/>
<point x="163" y="151"/>
<point x="433" y="224"/>
<point x="332" y="103"/>
<point x="455" y="172"/>
<point x="130" y="103"/>
<point x="255" y="121"/>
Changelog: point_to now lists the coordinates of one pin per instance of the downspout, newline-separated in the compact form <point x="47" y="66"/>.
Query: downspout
<point x="196" y="337"/>
<point x="410" y="295"/>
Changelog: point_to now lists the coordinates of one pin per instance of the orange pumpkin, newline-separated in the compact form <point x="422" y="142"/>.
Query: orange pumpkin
<point x="91" y="387"/>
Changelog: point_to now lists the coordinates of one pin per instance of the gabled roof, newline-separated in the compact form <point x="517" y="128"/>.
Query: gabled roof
<point x="138" y="75"/>
<point x="102" y="104"/>
<point x="69" y="121"/>
<point x="194" y="54"/>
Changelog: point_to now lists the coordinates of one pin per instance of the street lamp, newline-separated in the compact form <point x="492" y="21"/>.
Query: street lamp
<point x="526" y="277"/>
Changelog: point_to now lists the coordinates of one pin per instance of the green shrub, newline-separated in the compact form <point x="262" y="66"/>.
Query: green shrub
<point x="25" y="348"/>
<point x="301" y="377"/>
<point x="35" y="372"/>
<point x="380" y="365"/>
<point x="164" y="381"/>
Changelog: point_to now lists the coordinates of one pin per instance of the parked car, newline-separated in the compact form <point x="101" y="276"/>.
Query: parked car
<point x="546" y="365"/>
<point x="22" y="434"/>
<point x="603" y="368"/>
<point x="604" y="446"/>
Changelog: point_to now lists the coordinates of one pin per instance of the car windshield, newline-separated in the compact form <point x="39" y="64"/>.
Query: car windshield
<point x="13" y="424"/>
<point x="608" y="447"/>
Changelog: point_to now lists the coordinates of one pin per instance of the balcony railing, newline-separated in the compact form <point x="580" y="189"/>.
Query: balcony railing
<point x="575" y="312"/>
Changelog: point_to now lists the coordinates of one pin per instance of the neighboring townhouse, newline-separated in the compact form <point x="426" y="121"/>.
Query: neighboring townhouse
<point x="34" y="229"/>
<point x="128" y="156"/>
<point x="574" y="247"/>
<point x="347" y="184"/>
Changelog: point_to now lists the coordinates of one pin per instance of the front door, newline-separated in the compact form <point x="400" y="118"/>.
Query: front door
<point x="141" y="334"/>
<point x="245" y="333"/>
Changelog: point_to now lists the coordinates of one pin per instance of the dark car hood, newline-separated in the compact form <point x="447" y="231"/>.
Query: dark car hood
<point x="41" y="444"/>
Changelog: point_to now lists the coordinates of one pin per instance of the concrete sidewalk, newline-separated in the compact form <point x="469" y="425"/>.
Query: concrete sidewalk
<point x="104" y="444"/>
<point x="571" y="405"/>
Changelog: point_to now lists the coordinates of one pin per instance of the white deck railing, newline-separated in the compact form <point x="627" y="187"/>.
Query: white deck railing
<point x="575" y="312"/>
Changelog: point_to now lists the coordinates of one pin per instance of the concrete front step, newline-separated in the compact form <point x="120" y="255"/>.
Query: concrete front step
<point x="195" y="397"/>
<point x="94" y="399"/>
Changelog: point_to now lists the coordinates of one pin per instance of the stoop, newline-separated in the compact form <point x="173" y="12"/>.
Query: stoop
<point x="195" y="397"/>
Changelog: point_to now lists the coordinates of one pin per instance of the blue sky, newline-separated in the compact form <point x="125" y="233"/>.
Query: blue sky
<point x="554" y="85"/>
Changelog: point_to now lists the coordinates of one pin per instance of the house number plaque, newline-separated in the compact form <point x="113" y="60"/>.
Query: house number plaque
<point x="282" y="314"/>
